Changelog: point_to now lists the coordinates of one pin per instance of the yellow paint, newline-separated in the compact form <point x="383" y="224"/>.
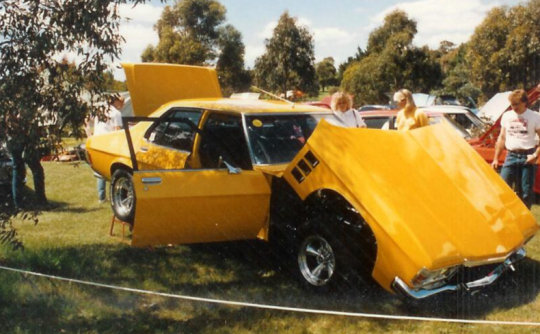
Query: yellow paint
<point x="151" y="156"/>
<point x="428" y="196"/>
<point x="152" y="85"/>
<point x="200" y="206"/>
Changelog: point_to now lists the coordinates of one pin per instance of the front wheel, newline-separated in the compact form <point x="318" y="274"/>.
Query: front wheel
<point x="123" y="195"/>
<point x="317" y="260"/>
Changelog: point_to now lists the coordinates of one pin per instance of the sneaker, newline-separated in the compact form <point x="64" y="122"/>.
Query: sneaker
<point x="101" y="201"/>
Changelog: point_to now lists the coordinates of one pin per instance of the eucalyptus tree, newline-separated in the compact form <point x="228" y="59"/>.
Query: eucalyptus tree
<point x="37" y="86"/>
<point x="289" y="59"/>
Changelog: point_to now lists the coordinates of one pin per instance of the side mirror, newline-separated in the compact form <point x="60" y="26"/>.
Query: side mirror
<point x="232" y="170"/>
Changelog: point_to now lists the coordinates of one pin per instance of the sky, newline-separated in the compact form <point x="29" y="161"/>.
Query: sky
<point x="338" y="26"/>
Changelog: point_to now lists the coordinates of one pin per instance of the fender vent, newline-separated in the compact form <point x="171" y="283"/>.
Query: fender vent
<point x="305" y="166"/>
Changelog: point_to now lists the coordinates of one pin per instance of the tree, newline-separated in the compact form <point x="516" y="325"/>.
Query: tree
<point x="392" y="62"/>
<point x="230" y="65"/>
<point x="456" y="69"/>
<point x="505" y="49"/>
<point x="188" y="33"/>
<point x="37" y="86"/>
<point x="289" y="61"/>
<point x="350" y="60"/>
<point x="191" y="32"/>
<point x="326" y="73"/>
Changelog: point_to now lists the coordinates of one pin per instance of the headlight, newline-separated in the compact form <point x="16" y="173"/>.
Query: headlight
<point x="431" y="279"/>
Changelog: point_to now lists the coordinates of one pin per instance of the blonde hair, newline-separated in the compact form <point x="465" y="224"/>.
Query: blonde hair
<point x="407" y="95"/>
<point x="339" y="97"/>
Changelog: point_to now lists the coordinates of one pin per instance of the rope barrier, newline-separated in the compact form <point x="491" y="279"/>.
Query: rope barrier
<point x="273" y="307"/>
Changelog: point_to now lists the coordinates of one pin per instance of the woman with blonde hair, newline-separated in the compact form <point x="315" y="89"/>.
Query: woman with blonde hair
<point x="345" y="115"/>
<point x="409" y="117"/>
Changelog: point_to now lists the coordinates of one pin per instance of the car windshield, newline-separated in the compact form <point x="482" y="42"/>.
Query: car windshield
<point x="435" y="119"/>
<point x="276" y="139"/>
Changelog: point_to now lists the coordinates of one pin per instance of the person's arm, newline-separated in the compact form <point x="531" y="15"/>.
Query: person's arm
<point x="359" y="121"/>
<point x="499" y="147"/>
<point x="423" y="119"/>
<point x="531" y="158"/>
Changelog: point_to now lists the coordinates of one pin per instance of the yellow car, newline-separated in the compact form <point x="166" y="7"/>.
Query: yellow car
<point x="410" y="209"/>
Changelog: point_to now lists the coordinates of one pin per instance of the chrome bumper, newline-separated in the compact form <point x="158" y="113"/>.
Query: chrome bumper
<point x="399" y="286"/>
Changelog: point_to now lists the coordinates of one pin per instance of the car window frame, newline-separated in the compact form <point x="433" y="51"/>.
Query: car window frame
<point x="202" y="124"/>
<point x="165" y="118"/>
<point x="250" y="147"/>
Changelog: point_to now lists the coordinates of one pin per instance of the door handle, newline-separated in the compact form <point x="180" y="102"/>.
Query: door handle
<point x="151" y="180"/>
<point x="144" y="149"/>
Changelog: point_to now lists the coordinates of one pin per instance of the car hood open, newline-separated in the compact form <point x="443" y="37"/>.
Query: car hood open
<point x="152" y="85"/>
<point x="426" y="190"/>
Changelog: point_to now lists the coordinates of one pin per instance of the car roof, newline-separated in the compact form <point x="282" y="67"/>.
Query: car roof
<point x="394" y="112"/>
<point x="240" y="106"/>
<point x="446" y="109"/>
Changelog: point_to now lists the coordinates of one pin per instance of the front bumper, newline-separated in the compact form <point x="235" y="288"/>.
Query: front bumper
<point x="399" y="286"/>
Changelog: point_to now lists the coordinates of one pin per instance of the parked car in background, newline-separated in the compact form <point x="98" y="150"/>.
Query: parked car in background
<point x="386" y="120"/>
<point x="202" y="168"/>
<point x="461" y="115"/>
<point x="368" y="107"/>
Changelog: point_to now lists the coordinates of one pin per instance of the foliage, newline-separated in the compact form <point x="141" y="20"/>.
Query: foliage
<point x="456" y="68"/>
<point x="188" y="33"/>
<point x="113" y="85"/>
<point x="326" y="73"/>
<point x="350" y="60"/>
<point x="191" y="32"/>
<point x="230" y="65"/>
<point x="505" y="49"/>
<point x="37" y="84"/>
<point x="289" y="61"/>
<point x="392" y="62"/>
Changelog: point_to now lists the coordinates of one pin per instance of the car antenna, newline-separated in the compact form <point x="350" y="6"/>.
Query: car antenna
<point x="273" y="95"/>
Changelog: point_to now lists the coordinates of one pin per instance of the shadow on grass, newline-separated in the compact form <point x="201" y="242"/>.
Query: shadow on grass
<point x="250" y="272"/>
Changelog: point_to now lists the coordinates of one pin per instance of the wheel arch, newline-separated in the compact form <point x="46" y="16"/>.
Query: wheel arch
<point x="120" y="165"/>
<point x="345" y="221"/>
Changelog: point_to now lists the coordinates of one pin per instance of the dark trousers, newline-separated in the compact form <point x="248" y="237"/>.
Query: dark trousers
<point x="21" y="153"/>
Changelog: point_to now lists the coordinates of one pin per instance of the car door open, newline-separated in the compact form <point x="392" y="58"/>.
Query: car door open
<point x="198" y="205"/>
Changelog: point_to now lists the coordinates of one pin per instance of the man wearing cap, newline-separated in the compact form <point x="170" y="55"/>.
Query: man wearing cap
<point x="519" y="127"/>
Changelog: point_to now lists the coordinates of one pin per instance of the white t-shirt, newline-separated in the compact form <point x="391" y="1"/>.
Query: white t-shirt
<point x="114" y="120"/>
<point x="347" y="119"/>
<point x="520" y="129"/>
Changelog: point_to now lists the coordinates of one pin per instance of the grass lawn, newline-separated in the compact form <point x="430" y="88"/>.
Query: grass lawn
<point x="72" y="241"/>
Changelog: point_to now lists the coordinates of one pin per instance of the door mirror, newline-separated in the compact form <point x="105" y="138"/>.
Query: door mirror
<point x="232" y="170"/>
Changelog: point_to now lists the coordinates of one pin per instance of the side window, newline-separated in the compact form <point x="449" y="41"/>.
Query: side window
<point x="223" y="137"/>
<point x="175" y="134"/>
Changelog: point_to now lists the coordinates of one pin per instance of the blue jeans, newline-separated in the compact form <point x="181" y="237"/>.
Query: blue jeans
<point x="520" y="176"/>
<point x="21" y="153"/>
<point x="101" y="188"/>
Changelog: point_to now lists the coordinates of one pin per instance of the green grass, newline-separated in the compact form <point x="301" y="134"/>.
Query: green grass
<point x="72" y="241"/>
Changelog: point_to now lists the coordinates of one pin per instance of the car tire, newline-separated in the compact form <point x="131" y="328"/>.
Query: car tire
<point x="122" y="195"/>
<point x="318" y="258"/>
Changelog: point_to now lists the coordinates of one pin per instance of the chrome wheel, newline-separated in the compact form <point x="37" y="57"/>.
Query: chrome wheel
<point x="316" y="260"/>
<point x="123" y="195"/>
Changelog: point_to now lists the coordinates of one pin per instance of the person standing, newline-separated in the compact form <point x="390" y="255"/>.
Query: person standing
<point x="519" y="128"/>
<point x="346" y="116"/>
<point x="23" y="144"/>
<point x="113" y="123"/>
<point x="409" y="117"/>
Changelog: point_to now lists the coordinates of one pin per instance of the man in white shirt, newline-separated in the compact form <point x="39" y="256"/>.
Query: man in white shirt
<point x="519" y="128"/>
<point x="113" y="123"/>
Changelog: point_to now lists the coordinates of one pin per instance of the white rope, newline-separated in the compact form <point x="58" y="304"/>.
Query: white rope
<point x="273" y="307"/>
